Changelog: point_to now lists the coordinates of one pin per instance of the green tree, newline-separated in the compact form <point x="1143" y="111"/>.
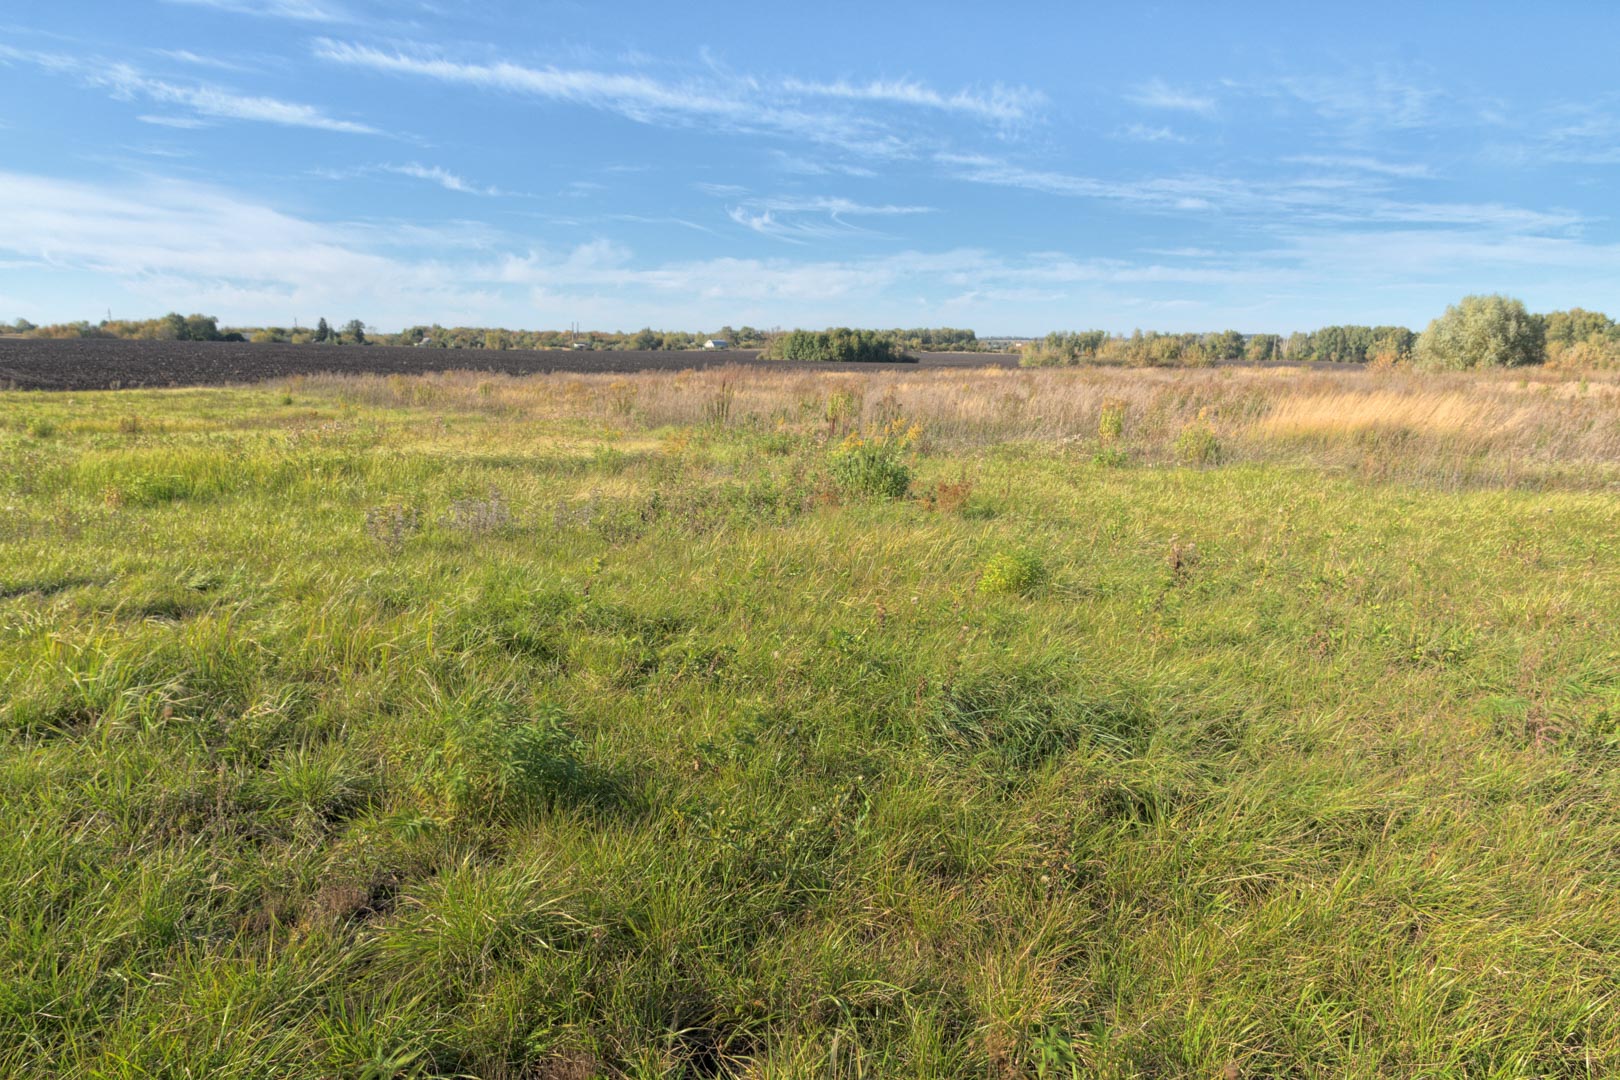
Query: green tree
<point x="322" y="331"/>
<point x="355" y="331"/>
<point x="1482" y="331"/>
<point x="1262" y="348"/>
<point x="1575" y="325"/>
<point x="202" y="328"/>
<point x="645" y="339"/>
<point x="840" y="344"/>
<point x="1226" y="345"/>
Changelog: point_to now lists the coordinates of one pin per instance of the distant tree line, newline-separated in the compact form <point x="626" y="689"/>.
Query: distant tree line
<point x="1478" y="331"/>
<point x="171" y="327"/>
<point x="1343" y="344"/>
<point x="174" y="327"/>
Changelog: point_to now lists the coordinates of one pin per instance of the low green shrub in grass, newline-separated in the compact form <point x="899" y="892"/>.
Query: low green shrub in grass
<point x="874" y="466"/>
<point x="1014" y="572"/>
<point x="1197" y="443"/>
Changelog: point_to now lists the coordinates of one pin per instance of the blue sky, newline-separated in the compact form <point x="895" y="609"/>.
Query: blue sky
<point x="1008" y="167"/>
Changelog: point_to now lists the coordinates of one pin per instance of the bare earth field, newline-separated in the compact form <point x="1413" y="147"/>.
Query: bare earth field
<point x="27" y="364"/>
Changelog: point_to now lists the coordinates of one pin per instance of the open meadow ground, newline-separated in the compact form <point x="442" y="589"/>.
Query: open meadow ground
<point x="780" y="723"/>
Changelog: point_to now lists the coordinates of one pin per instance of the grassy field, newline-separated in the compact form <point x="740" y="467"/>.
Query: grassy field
<point x="1049" y="724"/>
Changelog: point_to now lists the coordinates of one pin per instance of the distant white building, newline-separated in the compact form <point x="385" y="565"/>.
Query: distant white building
<point x="717" y="343"/>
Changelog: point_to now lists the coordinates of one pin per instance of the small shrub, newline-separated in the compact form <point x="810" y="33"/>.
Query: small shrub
<point x="1111" y="457"/>
<point x="871" y="471"/>
<point x="41" y="428"/>
<point x="1018" y="572"/>
<point x="1197" y="444"/>
<point x="1111" y="422"/>
<point x="874" y="465"/>
<point x="496" y="763"/>
<point x="843" y="406"/>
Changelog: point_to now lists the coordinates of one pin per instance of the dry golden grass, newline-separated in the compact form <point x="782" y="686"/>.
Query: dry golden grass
<point x="1542" y="426"/>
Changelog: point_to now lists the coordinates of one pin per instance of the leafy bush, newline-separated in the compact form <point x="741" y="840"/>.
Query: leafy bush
<point x="1019" y="572"/>
<point x="874" y="465"/>
<point x="1197" y="443"/>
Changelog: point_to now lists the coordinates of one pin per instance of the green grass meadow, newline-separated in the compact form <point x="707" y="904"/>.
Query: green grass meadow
<point x="347" y="739"/>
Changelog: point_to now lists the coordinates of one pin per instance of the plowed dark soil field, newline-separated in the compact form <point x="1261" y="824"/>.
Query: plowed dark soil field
<point x="102" y="365"/>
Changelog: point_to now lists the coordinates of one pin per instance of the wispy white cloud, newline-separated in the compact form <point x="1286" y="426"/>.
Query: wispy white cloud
<point x="1144" y="133"/>
<point x="798" y="218"/>
<point x="1569" y="133"/>
<point x="127" y="83"/>
<point x="186" y="56"/>
<point x="212" y="101"/>
<point x="1270" y="202"/>
<point x="997" y="102"/>
<point x="180" y="243"/>
<point x="714" y="99"/>
<point x="184" y="123"/>
<point x="441" y="176"/>
<point x="1361" y="102"/>
<point x="803" y="166"/>
<point x="415" y="170"/>
<point x="299" y="10"/>
<point x="1358" y="163"/>
<point x="1158" y="94"/>
<point x="642" y="219"/>
<point x="837" y="207"/>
